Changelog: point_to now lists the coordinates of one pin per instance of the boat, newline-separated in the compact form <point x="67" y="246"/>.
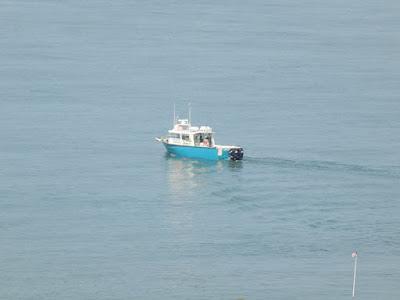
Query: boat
<point x="197" y="142"/>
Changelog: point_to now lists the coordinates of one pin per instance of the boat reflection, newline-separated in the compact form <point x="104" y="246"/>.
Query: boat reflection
<point x="189" y="184"/>
<point x="187" y="175"/>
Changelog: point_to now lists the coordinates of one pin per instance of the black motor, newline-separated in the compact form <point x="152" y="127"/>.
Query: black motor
<point x="236" y="154"/>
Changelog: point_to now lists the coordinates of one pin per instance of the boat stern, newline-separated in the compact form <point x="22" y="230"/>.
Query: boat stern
<point x="232" y="153"/>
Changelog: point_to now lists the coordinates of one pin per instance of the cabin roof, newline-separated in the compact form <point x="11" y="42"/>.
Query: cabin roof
<point x="190" y="131"/>
<point x="184" y="127"/>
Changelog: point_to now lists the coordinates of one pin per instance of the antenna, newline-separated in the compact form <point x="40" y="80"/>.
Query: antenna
<point x="174" y="116"/>
<point x="190" y="113"/>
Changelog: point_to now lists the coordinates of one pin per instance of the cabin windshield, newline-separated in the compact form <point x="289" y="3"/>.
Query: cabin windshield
<point x="174" y="135"/>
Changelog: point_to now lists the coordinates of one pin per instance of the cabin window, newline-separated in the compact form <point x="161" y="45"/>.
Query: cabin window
<point x="197" y="138"/>
<point x="207" y="140"/>
<point x="174" y="135"/>
<point x="185" y="137"/>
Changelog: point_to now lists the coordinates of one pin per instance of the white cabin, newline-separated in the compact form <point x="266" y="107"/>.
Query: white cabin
<point x="186" y="135"/>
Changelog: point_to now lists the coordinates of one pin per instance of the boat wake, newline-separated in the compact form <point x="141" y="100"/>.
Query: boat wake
<point x="384" y="171"/>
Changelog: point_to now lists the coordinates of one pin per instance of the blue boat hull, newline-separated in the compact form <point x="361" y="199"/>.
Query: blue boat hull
<point x="197" y="152"/>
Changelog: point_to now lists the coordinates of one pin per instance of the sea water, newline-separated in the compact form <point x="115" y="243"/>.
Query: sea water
<point x="92" y="207"/>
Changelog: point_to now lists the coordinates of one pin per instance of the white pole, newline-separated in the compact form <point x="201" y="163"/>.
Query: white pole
<point x="355" y="271"/>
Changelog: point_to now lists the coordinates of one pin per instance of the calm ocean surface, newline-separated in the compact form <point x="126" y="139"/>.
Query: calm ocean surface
<point x="91" y="206"/>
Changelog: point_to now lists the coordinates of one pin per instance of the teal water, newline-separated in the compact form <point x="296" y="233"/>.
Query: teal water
<point x="91" y="206"/>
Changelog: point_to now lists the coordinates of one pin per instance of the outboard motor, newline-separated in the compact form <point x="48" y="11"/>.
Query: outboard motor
<point x="235" y="154"/>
